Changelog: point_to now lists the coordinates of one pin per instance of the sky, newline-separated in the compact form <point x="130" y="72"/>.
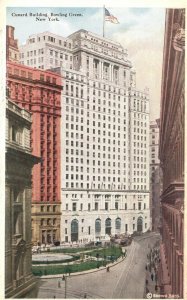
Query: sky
<point x="140" y="31"/>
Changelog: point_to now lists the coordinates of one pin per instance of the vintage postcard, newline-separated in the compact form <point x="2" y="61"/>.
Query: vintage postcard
<point x="93" y="110"/>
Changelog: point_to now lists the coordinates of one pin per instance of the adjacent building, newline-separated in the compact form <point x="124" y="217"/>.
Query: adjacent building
<point x="47" y="50"/>
<point x="104" y="135"/>
<point x="40" y="92"/>
<point x="155" y="175"/>
<point x="12" y="51"/>
<point x="171" y="153"/>
<point x="19" y="281"/>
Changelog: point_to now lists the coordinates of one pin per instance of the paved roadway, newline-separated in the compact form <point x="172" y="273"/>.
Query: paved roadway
<point x="125" y="280"/>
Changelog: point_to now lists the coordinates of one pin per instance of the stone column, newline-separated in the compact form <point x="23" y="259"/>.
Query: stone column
<point x="101" y="69"/>
<point x="110" y="77"/>
<point x="121" y="76"/>
<point x="91" y="65"/>
<point x="112" y="73"/>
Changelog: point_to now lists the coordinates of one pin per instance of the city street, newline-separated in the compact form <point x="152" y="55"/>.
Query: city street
<point x="125" y="280"/>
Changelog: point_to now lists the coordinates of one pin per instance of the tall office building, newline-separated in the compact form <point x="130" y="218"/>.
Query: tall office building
<point x="155" y="175"/>
<point x="39" y="92"/>
<point x="104" y="134"/>
<point x="171" y="154"/>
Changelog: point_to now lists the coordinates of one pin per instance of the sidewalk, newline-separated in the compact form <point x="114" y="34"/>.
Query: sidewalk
<point x="151" y="283"/>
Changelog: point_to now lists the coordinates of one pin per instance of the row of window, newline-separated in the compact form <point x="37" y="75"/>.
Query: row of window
<point x="48" y="222"/>
<point x="48" y="208"/>
<point x="106" y="207"/>
<point x="100" y="117"/>
<point x="107" y="196"/>
<point x="103" y="186"/>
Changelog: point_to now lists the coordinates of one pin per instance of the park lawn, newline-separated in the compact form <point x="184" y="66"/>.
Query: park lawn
<point x="111" y="251"/>
<point x="56" y="269"/>
<point x="71" y="250"/>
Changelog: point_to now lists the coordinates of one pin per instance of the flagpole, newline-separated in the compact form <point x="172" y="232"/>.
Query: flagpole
<point x="103" y="20"/>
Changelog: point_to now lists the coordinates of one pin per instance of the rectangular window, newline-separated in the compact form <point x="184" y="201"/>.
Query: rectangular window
<point x="106" y="205"/>
<point x="74" y="206"/>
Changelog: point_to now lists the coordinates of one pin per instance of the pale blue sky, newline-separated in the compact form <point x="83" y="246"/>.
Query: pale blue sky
<point x="141" y="32"/>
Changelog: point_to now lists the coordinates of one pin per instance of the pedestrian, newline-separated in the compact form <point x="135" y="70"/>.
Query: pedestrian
<point x="85" y="295"/>
<point x="146" y="268"/>
<point x="108" y="269"/>
<point x="152" y="276"/>
<point x="146" y="282"/>
<point x="59" y="283"/>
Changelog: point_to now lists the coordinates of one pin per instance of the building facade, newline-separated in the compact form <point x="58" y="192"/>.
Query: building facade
<point x="105" y="137"/>
<point x="171" y="152"/>
<point x="47" y="50"/>
<point x="40" y="92"/>
<point x="19" y="281"/>
<point x="155" y="175"/>
<point x="12" y="51"/>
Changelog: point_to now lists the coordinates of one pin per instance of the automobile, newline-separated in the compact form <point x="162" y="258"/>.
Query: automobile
<point x="90" y="244"/>
<point x="98" y="243"/>
<point x="56" y="243"/>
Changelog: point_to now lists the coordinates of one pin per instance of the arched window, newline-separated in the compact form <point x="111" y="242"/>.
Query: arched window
<point x="118" y="225"/>
<point x="140" y="224"/>
<point x="97" y="226"/>
<point x="74" y="230"/>
<point x="108" y="226"/>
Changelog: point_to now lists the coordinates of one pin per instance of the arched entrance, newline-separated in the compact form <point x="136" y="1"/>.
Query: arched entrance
<point x="74" y="230"/>
<point x="118" y="225"/>
<point x="108" y="226"/>
<point x="97" y="227"/>
<point x="140" y="224"/>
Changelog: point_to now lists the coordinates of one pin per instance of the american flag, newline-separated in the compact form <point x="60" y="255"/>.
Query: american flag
<point x="110" y="18"/>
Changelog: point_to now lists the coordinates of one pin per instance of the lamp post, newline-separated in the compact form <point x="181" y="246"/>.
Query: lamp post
<point x="64" y="278"/>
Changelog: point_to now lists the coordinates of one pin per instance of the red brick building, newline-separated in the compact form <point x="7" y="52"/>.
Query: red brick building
<point x="40" y="92"/>
<point x="171" y="152"/>
<point x="12" y="51"/>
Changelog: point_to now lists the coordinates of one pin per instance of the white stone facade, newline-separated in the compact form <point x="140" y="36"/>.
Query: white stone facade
<point x="105" y="140"/>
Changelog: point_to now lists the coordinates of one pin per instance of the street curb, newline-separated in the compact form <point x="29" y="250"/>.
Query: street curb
<point x="84" y="272"/>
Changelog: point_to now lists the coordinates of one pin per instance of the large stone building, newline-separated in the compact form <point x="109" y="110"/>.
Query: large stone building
<point x="40" y="92"/>
<point x="155" y="175"/>
<point x="171" y="152"/>
<point x="105" y="135"/>
<point x="19" y="281"/>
